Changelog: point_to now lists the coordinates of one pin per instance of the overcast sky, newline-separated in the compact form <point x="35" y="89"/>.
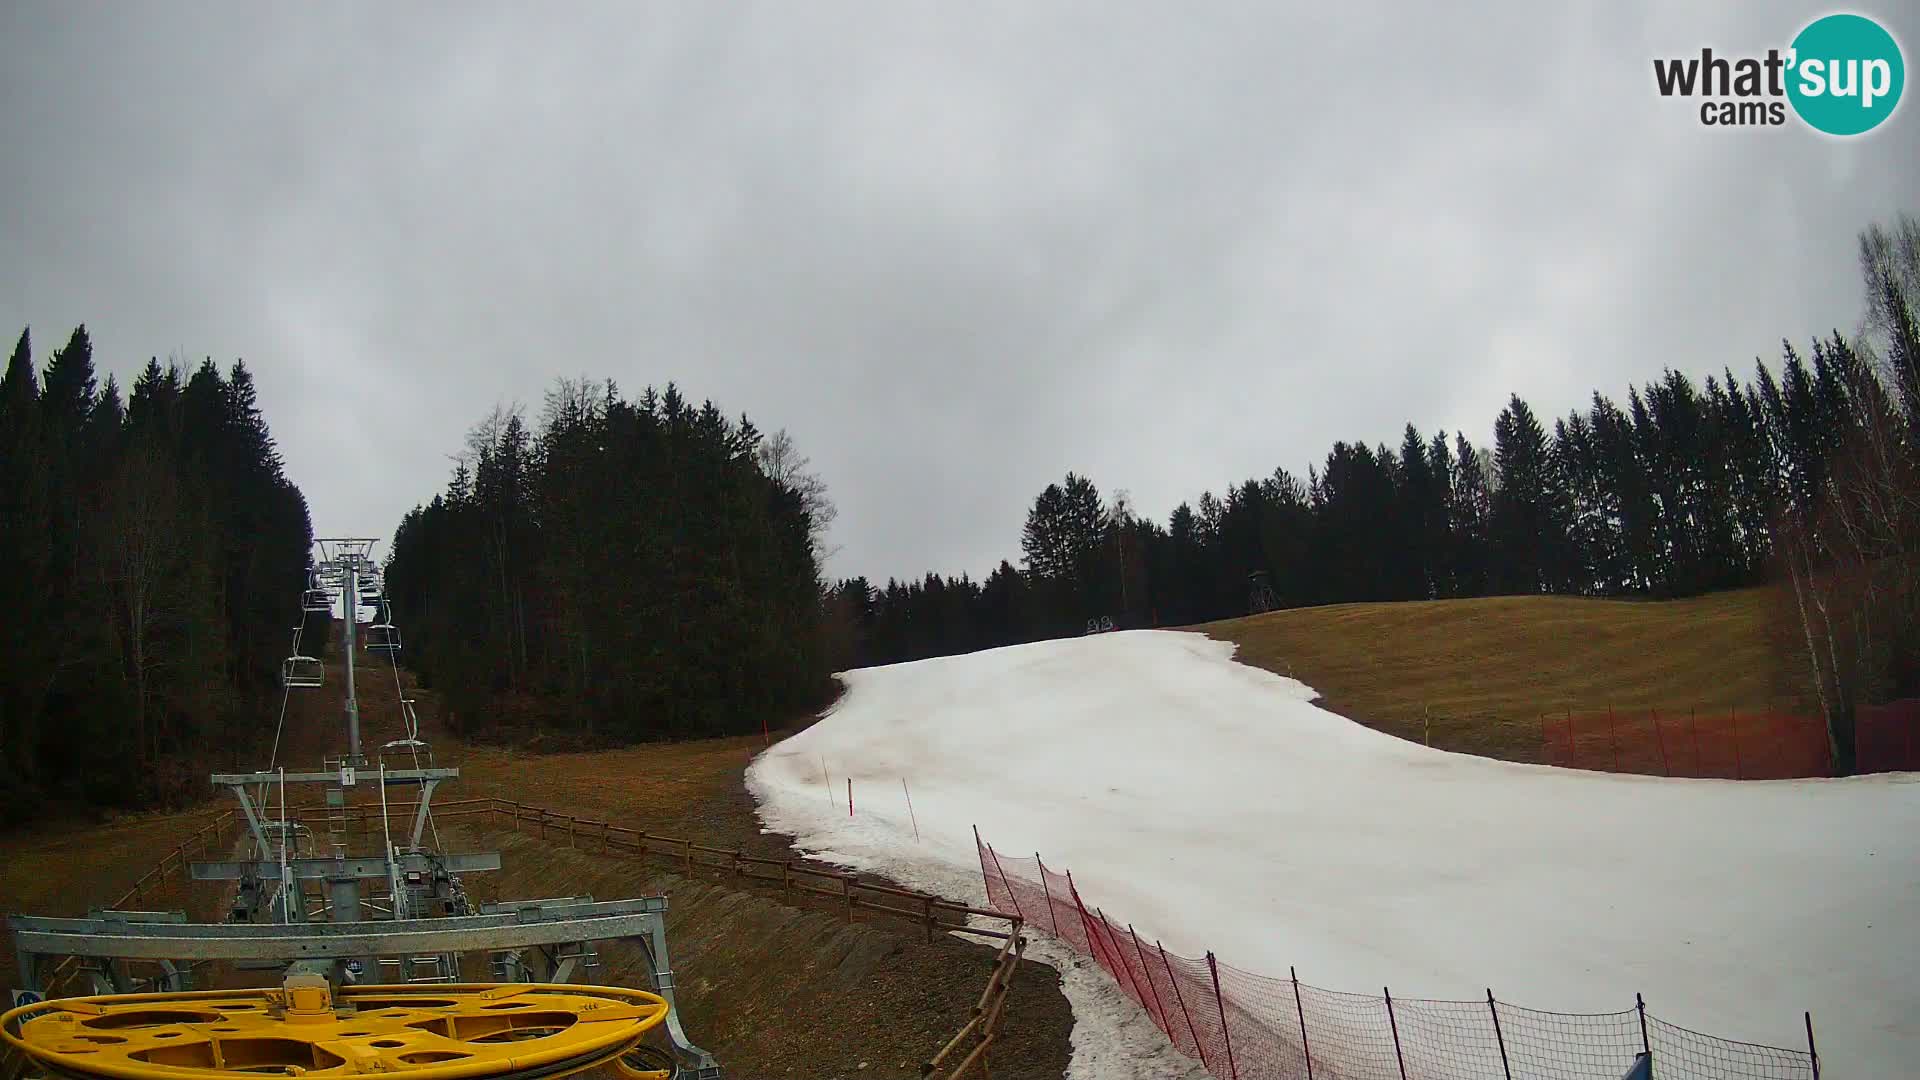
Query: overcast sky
<point x="956" y="249"/>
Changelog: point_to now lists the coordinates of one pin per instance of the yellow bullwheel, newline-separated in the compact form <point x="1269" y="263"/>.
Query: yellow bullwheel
<point x="453" y="1031"/>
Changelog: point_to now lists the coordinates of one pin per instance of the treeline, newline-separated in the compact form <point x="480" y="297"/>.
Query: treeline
<point x="1668" y="495"/>
<point x="1683" y="488"/>
<point x="149" y="552"/>
<point x="627" y="570"/>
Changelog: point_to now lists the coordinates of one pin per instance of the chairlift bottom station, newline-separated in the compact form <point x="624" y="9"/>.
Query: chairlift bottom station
<point x="371" y="949"/>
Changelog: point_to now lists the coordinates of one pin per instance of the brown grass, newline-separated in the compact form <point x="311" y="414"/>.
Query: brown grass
<point x="1476" y="675"/>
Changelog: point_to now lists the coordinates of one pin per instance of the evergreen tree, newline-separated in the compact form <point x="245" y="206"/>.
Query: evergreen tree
<point x="1529" y="522"/>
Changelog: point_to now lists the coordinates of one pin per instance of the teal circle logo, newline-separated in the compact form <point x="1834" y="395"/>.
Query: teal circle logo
<point x="1846" y="74"/>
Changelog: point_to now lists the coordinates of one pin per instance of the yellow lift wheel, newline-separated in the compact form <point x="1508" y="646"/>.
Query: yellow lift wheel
<point x="456" y="1031"/>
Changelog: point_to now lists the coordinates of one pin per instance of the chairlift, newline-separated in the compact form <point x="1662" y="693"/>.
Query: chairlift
<point x="412" y="749"/>
<point x="317" y="602"/>
<point x="383" y="637"/>
<point x="302" y="671"/>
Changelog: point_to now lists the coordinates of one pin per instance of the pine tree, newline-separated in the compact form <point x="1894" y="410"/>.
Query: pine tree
<point x="1529" y="520"/>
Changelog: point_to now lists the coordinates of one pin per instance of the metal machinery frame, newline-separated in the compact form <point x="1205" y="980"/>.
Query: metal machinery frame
<point x="302" y="912"/>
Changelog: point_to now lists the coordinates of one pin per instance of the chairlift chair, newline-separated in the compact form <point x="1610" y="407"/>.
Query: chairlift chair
<point x="383" y="637"/>
<point x="411" y="748"/>
<point x="302" y="671"/>
<point x="317" y="602"/>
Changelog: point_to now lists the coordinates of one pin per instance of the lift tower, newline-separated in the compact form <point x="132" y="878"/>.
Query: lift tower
<point x="349" y="935"/>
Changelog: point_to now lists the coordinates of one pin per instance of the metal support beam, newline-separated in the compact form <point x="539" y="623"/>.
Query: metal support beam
<point x="394" y="776"/>
<point x="235" y="941"/>
<point x="349" y="869"/>
<point x="349" y="616"/>
<point x="259" y="831"/>
<point x="420" y="818"/>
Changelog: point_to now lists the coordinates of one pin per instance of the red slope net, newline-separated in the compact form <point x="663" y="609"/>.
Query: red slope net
<point x="1243" y="1026"/>
<point x="1726" y="744"/>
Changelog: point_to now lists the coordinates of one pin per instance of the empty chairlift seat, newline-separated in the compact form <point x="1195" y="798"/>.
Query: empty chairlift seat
<point x="317" y="602"/>
<point x="301" y="671"/>
<point x="383" y="637"/>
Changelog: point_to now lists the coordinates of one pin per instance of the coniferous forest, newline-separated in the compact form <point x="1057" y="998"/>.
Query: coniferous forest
<point x="152" y="548"/>
<point x="630" y="569"/>
<point x="650" y="568"/>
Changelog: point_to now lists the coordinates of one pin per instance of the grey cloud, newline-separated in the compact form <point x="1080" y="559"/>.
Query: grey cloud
<point x="956" y="249"/>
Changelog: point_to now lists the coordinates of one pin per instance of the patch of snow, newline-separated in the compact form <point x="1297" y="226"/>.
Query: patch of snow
<point x="1210" y="804"/>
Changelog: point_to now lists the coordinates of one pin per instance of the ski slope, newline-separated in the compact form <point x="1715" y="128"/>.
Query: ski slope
<point x="1213" y="807"/>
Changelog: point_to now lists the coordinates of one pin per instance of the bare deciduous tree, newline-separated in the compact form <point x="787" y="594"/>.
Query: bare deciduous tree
<point x="781" y="460"/>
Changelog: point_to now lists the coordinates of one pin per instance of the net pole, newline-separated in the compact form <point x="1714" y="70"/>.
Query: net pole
<point x="1811" y="1052"/>
<point x="1005" y="881"/>
<point x="1182" y="1001"/>
<point x="1119" y="960"/>
<point x="1053" y="923"/>
<point x="1233" y="1071"/>
<point x="1301" y="1010"/>
<point x="1159" y="1010"/>
<point x="1086" y="922"/>
<point x="1640" y="1006"/>
<point x="1505" y="1068"/>
<point x="1395" y="1025"/>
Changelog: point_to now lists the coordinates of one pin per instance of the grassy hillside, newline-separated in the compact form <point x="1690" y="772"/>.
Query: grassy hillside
<point x="1477" y="674"/>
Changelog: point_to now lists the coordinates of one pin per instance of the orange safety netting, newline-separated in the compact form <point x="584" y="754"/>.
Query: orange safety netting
<point x="1243" y="1026"/>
